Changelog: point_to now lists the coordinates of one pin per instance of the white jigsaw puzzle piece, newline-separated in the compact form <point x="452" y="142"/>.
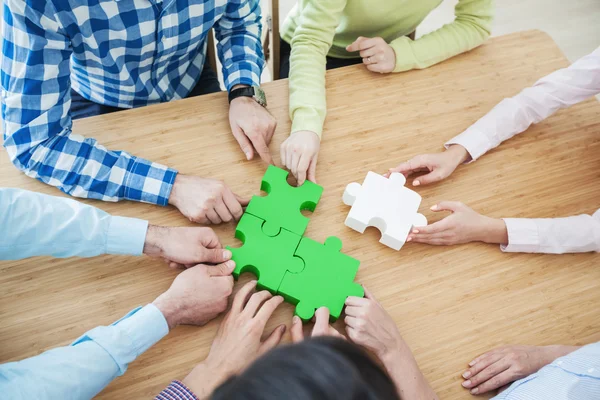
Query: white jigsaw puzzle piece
<point x="385" y="204"/>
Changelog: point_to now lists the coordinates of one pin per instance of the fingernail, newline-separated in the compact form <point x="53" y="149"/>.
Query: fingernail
<point x="466" y="383"/>
<point x="467" y="374"/>
<point x="254" y="282"/>
<point x="248" y="156"/>
<point x="409" y="239"/>
<point x="230" y="263"/>
<point x="226" y="254"/>
<point x="475" y="391"/>
<point x="434" y="207"/>
<point x="282" y="328"/>
<point x="296" y="319"/>
<point x="415" y="231"/>
<point x="472" y="363"/>
<point x="416" y="183"/>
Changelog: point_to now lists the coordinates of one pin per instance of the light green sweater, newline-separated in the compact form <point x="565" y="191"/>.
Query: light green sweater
<point x="317" y="28"/>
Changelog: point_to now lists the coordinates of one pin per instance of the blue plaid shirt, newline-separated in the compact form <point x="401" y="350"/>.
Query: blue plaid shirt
<point x="121" y="53"/>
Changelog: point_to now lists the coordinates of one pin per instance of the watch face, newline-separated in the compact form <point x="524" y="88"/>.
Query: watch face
<point x="259" y="96"/>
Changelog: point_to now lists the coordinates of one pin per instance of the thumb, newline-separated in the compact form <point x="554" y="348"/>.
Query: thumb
<point x="433" y="176"/>
<point x="243" y="201"/>
<point x="224" y="269"/>
<point x="214" y="256"/>
<point x="451" y="206"/>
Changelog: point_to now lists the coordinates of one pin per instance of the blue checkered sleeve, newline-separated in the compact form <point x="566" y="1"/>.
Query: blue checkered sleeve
<point x="240" y="50"/>
<point x="37" y="125"/>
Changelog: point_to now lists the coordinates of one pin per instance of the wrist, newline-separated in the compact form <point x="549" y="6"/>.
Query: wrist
<point x="204" y="379"/>
<point x="393" y="354"/>
<point x="555" y="351"/>
<point x="169" y="309"/>
<point x="178" y="185"/>
<point x="154" y="239"/>
<point x="459" y="153"/>
<point x="494" y="232"/>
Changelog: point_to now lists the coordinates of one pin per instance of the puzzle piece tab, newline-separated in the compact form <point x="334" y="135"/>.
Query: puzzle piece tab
<point x="326" y="280"/>
<point x="282" y="204"/>
<point x="385" y="204"/>
<point x="267" y="252"/>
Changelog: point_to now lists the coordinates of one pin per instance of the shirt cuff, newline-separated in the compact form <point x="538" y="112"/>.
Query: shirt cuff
<point x="405" y="58"/>
<point x="176" y="391"/>
<point x="149" y="182"/>
<point x="474" y="141"/>
<point x="126" y="236"/>
<point x="523" y="236"/>
<point x="307" y="120"/>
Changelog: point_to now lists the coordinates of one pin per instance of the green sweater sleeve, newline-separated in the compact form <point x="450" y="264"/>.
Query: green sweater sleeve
<point x="471" y="28"/>
<point x="311" y="43"/>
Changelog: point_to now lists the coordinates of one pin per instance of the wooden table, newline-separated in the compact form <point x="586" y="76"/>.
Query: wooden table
<point x="450" y="303"/>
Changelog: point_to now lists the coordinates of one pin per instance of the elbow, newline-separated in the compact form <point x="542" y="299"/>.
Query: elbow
<point x="480" y="26"/>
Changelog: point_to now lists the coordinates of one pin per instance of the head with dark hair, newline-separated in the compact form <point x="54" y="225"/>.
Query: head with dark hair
<point x="321" y="368"/>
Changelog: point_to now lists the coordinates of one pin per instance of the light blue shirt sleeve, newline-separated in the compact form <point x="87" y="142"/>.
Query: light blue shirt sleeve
<point x="35" y="224"/>
<point x="88" y="365"/>
<point x="575" y="376"/>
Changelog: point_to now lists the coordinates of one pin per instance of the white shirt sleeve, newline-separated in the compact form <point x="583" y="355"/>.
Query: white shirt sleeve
<point x="511" y="116"/>
<point x="577" y="234"/>
<point x="35" y="224"/>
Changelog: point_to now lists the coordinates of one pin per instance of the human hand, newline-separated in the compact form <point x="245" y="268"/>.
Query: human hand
<point x="205" y="200"/>
<point x="299" y="154"/>
<point x="252" y="126"/>
<point x="377" y="55"/>
<point x="197" y="295"/>
<point x="238" y="341"/>
<point x="185" y="247"/>
<point x="321" y="327"/>
<point x="370" y="326"/>
<point x="462" y="226"/>
<point x="439" y="165"/>
<point x="507" y="364"/>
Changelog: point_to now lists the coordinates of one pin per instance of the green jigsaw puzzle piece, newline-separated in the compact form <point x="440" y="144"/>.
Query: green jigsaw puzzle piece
<point x="326" y="280"/>
<point x="283" y="203"/>
<point x="267" y="252"/>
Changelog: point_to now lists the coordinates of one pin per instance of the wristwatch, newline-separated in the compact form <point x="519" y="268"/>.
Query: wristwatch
<point x="253" y="91"/>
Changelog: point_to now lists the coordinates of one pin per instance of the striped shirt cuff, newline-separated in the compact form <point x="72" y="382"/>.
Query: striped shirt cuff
<point x="176" y="391"/>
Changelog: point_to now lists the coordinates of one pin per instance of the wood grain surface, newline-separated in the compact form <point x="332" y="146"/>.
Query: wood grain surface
<point x="451" y="304"/>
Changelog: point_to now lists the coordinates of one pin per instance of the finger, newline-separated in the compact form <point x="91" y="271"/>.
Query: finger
<point x="413" y="165"/>
<point x="354" y="311"/>
<point x="175" y="265"/>
<point x="224" y="269"/>
<point x="436" y="227"/>
<point x="369" y="52"/>
<point x="243" y="141"/>
<point x="256" y="300"/>
<point x="215" y="256"/>
<point x="271" y="131"/>
<point x="261" y="147"/>
<point x="369" y="295"/>
<point x="356" y="301"/>
<point x="452" y="206"/>
<point x="242" y="297"/>
<point x="267" y="309"/>
<point x="364" y="44"/>
<point x="351" y="321"/>
<point x="303" y="164"/>
<point x="312" y="170"/>
<point x="243" y="201"/>
<point x="482" y="356"/>
<point x="233" y="204"/>
<point x="433" y="240"/>
<point x="354" y="46"/>
<point x="496" y="382"/>
<point x="283" y="154"/>
<point x="333" y="332"/>
<point x="297" y="330"/>
<point x="484" y="362"/>
<point x="294" y="163"/>
<point x="433" y="176"/>
<point x="223" y="212"/>
<point x="369" y="60"/>
<point x="213" y="217"/>
<point x="273" y="339"/>
<point x="321" y="322"/>
<point x="210" y="239"/>
<point x="487" y="373"/>
<point x="376" y="67"/>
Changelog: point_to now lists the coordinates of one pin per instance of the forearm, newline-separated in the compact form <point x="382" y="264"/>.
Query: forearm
<point x="575" y="234"/>
<point x="239" y="47"/>
<point x="406" y="374"/>
<point x="310" y="44"/>
<point x="470" y="29"/>
<point x="84" y="368"/>
<point x="42" y="225"/>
